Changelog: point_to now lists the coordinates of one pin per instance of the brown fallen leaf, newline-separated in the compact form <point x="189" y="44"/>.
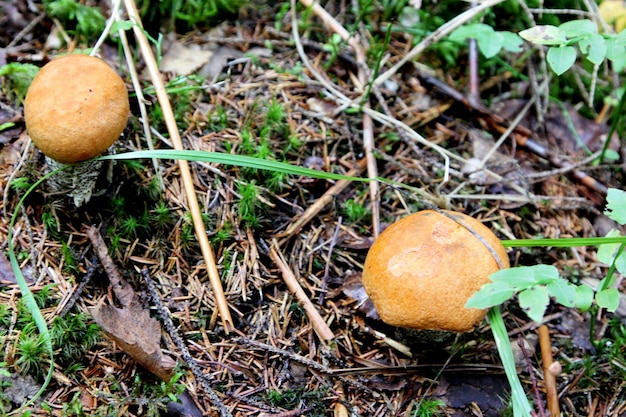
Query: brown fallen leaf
<point x="131" y="326"/>
<point x="138" y="335"/>
<point x="353" y="288"/>
<point x="7" y="277"/>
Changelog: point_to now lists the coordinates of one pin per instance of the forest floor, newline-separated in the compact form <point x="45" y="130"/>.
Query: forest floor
<point x="245" y="85"/>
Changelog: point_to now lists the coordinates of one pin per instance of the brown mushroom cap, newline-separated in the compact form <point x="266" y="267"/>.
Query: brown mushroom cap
<point x="75" y="108"/>
<point x="422" y="269"/>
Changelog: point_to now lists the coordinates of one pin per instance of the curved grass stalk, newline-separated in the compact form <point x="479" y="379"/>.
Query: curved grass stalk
<point x="521" y="406"/>
<point x="27" y="295"/>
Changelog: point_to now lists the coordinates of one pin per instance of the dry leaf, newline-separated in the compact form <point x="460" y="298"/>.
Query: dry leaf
<point x="186" y="407"/>
<point x="184" y="60"/>
<point x="353" y="288"/>
<point x="137" y="334"/>
<point x="7" y="277"/>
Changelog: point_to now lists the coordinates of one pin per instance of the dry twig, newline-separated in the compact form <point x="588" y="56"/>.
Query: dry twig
<point x="318" y="323"/>
<point x="548" y="375"/>
<point x="192" y="200"/>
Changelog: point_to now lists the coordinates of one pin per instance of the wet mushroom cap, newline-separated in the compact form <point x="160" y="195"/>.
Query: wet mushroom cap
<point x="422" y="269"/>
<point x="75" y="108"/>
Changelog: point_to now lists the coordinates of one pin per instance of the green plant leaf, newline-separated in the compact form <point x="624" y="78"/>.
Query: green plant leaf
<point x="561" y="58"/>
<point x="534" y="301"/>
<point x="491" y="294"/>
<point x="563" y="291"/>
<point x="606" y="253"/>
<point x="620" y="39"/>
<point x="610" y="154"/>
<point x="470" y="31"/>
<point x="575" y="28"/>
<point x="490" y="44"/>
<point x="608" y="299"/>
<point x="544" y="35"/>
<point x="614" y="49"/>
<point x="616" y="205"/>
<point x="522" y="277"/>
<point x="511" y="41"/>
<point x="121" y="25"/>
<point x="584" y="297"/>
<point x="594" y="47"/>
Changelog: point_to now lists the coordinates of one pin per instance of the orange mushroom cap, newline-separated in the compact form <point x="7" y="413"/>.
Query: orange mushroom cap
<point x="422" y="269"/>
<point x="75" y="108"/>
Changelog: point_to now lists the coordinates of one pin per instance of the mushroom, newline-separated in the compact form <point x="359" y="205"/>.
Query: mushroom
<point x="75" y="109"/>
<point x="422" y="269"/>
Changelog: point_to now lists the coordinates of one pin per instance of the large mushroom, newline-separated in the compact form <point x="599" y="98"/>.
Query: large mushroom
<point x="75" y="109"/>
<point x="422" y="269"/>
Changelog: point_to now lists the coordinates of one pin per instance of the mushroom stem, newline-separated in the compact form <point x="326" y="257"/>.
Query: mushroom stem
<point x="78" y="180"/>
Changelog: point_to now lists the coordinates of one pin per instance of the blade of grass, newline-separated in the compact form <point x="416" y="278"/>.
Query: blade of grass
<point x="229" y="159"/>
<point x="521" y="405"/>
<point x="27" y="295"/>
<point x="569" y="242"/>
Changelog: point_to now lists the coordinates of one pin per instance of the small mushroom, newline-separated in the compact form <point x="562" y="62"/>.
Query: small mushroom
<point x="75" y="109"/>
<point x="422" y="269"/>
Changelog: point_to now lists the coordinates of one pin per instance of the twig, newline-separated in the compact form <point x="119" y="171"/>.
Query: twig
<point x="304" y="361"/>
<point x="474" y="81"/>
<point x="437" y="35"/>
<point x="116" y="281"/>
<point x="533" y="379"/>
<point x="523" y="135"/>
<point x="344" y="101"/>
<point x="182" y="347"/>
<point x="141" y="101"/>
<point x="312" y="211"/>
<point x="26" y="30"/>
<point x="368" y="125"/>
<point x="115" y="7"/>
<point x="185" y="172"/>
<point x="331" y="248"/>
<point x="80" y="287"/>
<point x="548" y="377"/>
<point x="318" y="323"/>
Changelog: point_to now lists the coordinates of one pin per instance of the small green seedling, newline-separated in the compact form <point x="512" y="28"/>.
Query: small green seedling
<point x="593" y="45"/>
<point x="536" y="285"/>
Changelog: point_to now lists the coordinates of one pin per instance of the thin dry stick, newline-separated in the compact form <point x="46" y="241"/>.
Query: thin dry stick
<point x="318" y="323"/>
<point x="437" y="35"/>
<point x="548" y="377"/>
<point x="311" y="212"/>
<point x="368" y="125"/>
<point x="120" y="286"/>
<point x="141" y="101"/>
<point x="192" y="200"/>
<point x="304" y="361"/>
<point x="182" y="346"/>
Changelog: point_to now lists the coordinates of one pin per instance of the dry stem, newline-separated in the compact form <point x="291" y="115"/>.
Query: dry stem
<point x="192" y="200"/>
<point x="317" y="321"/>
<point x="549" y="378"/>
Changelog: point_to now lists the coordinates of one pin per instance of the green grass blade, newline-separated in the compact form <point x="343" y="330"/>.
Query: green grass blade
<point x="568" y="242"/>
<point x="27" y="295"/>
<point x="229" y="159"/>
<point x="521" y="405"/>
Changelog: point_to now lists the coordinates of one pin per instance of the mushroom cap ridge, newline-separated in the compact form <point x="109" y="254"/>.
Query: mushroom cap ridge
<point x="75" y="108"/>
<point x="422" y="269"/>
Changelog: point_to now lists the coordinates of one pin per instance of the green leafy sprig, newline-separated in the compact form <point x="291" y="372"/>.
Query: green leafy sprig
<point x="535" y="285"/>
<point x="596" y="47"/>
